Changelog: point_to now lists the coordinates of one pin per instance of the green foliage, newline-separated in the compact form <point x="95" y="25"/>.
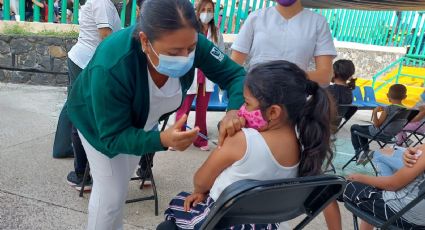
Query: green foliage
<point x="24" y="31"/>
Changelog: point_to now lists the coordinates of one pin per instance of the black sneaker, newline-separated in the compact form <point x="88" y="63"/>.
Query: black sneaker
<point x="76" y="180"/>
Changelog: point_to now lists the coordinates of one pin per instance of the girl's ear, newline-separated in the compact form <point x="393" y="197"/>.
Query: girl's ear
<point x="274" y="112"/>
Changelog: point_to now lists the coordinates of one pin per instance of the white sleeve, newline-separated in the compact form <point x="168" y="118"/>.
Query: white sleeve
<point x="324" y="42"/>
<point x="220" y="42"/>
<point x="103" y="13"/>
<point x="243" y="41"/>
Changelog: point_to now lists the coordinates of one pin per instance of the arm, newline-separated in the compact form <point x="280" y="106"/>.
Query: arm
<point x="104" y="32"/>
<point x="324" y="53"/>
<point x="395" y="182"/>
<point x="232" y="150"/>
<point x="239" y="57"/>
<point x="39" y="4"/>
<point x="323" y="72"/>
<point x="243" y="42"/>
<point x="378" y="121"/>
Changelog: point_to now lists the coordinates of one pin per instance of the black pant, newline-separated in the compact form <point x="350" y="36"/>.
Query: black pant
<point x="358" y="141"/>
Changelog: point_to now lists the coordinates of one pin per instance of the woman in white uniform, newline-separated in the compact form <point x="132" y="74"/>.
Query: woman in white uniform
<point x="288" y="32"/>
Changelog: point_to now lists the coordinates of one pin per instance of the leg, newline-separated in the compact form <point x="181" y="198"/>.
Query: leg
<point x="80" y="160"/>
<point x="110" y="187"/>
<point x="357" y="141"/>
<point x="185" y="107"/>
<point x="201" y="115"/>
<point x="333" y="216"/>
<point x="62" y="146"/>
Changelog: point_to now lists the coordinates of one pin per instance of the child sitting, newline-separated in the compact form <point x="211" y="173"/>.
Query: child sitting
<point x="279" y="103"/>
<point x="343" y="80"/>
<point x="396" y="94"/>
<point x="415" y="123"/>
<point x="384" y="196"/>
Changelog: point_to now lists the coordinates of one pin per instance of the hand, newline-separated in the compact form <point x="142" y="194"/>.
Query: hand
<point x="177" y="139"/>
<point x="193" y="199"/>
<point x="378" y="109"/>
<point x="410" y="157"/>
<point x="229" y="125"/>
<point x="354" y="177"/>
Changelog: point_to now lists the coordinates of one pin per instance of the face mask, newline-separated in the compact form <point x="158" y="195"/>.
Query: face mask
<point x="173" y="66"/>
<point x="254" y="119"/>
<point x="206" y="17"/>
<point x="286" y="3"/>
<point x="423" y="97"/>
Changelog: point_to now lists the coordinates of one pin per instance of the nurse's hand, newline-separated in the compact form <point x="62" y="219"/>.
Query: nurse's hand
<point x="230" y="125"/>
<point x="177" y="139"/>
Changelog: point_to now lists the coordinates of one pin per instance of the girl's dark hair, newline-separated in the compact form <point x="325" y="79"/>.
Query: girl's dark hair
<point x="159" y="17"/>
<point x="211" y="24"/>
<point x="308" y="106"/>
<point x="344" y="70"/>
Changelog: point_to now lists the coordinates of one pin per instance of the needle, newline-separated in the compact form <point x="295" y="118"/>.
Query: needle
<point x="202" y="135"/>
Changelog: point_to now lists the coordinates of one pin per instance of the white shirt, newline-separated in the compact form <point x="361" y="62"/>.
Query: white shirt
<point x="258" y="163"/>
<point x="268" y="36"/>
<point x="209" y="85"/>
<point x="162" y="100"/>
<point x="95" y="14"/>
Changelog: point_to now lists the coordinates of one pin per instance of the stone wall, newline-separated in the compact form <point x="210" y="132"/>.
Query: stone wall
<point x="49" y="54"/>
<point x="40" y="52"/>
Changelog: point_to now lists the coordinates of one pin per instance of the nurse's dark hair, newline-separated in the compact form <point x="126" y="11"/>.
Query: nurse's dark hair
<point x="308" y="107"/>
<point x="159" y="17"/>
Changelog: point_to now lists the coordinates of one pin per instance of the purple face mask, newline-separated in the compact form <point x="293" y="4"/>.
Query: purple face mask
<point x="286" y="3"/>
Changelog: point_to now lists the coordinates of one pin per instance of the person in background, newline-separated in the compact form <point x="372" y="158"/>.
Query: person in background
<point x="98" y="19"/>
<point x="289" y="32"/>
<point x="343" y="82"/>
<point x="415" y="123"/>
<point x="201" y="86"/>
<point x="275" y="110"/>
<point x="396" y="94"/>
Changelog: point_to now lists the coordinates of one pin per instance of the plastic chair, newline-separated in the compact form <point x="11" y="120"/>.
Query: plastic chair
<point x="379" y="223"/>
<point x="359" y="101"/>
<point x="369" y="96"/>
<point x="215" y="104"/>
<point x="399" y="120"/>
<point x="275" y="201"/>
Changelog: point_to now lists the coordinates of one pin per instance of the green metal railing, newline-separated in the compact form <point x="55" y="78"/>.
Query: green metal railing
<point x="399" y="64"/>
<point x="383" y="28"/>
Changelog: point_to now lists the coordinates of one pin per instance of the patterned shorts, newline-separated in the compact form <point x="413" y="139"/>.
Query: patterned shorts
<point x="196" y="217"/>
<point x="370" y="199"/>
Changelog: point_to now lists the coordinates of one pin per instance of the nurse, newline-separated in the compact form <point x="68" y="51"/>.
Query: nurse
<point x="288" y="32"/>
<point x="137" y="77"/>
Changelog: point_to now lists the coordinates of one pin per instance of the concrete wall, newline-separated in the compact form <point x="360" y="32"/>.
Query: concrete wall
<point x="49" y="53"/>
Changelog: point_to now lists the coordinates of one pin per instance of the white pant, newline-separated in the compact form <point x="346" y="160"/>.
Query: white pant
<point x="110" y="187"/>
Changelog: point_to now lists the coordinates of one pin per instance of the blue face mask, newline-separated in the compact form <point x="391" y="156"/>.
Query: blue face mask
<point x="173" y="66"/>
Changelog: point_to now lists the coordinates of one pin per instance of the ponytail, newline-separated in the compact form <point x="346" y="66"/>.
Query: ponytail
<point x="351" y="83"/>
<point x="314" y="130"/>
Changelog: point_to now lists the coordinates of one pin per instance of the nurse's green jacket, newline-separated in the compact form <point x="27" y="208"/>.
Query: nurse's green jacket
<point x="109" y="102"/>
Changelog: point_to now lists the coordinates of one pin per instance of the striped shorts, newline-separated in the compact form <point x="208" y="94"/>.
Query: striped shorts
<point x="370" y="199"/>
<point x="195" y="218"/>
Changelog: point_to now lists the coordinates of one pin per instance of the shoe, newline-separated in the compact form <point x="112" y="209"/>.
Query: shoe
<point x="144" y="176"/>
<point x="205" y="148"/>
<point x="76" y="180"/>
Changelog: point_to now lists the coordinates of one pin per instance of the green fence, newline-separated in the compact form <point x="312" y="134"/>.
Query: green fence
<point x="384" y="28"/>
